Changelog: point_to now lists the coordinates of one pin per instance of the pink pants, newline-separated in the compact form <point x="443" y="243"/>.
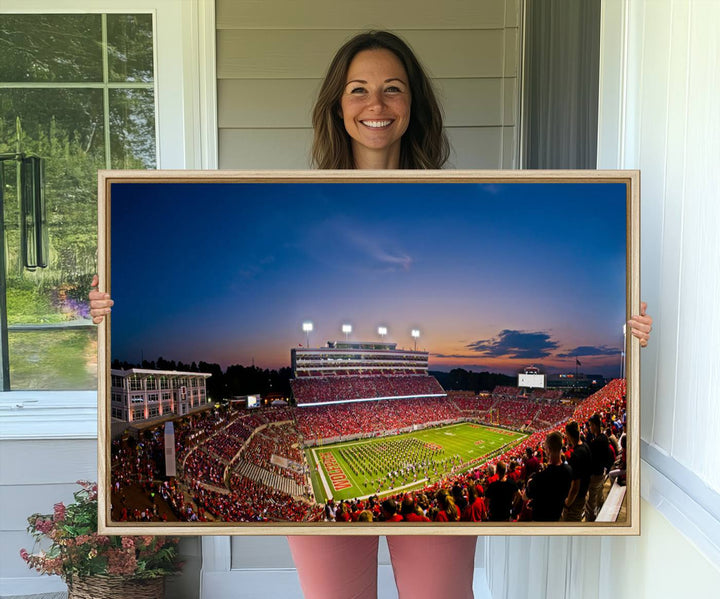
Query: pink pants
<point x="425" y="567"/>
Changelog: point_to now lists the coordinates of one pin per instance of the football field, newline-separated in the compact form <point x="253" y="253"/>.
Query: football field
<point x="396" y="463"/>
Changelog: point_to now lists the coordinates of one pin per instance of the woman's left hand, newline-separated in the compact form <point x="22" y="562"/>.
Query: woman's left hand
<point x="641" y="325"/>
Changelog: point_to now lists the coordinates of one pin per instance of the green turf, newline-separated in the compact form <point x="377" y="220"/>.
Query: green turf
<point x="455" y="447"/>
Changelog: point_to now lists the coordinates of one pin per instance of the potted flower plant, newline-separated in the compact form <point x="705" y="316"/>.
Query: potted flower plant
<point x="94" y="565"/>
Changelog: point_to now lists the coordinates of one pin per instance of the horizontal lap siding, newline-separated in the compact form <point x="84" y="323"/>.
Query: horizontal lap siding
<point x="271" y="60"/>
<point x="333" y="14"/>
<point x="35" y="475"/>
<point x="306" y="54"/>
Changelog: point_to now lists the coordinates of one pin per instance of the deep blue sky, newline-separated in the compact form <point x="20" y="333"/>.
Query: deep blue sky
<point x="495" y="276"/>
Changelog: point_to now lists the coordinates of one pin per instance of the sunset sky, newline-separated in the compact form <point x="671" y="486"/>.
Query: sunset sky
<point x="495" y="276"/>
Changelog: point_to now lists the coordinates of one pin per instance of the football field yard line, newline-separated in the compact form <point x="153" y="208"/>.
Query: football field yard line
<point x="321" y="472"/>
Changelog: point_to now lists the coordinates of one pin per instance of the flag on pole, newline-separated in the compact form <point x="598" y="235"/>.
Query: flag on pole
<point x="577" y="362"/>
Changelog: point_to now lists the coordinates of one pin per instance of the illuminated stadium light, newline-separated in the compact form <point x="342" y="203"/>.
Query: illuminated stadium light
<point x="382" y="331"/>
<point x="307" y="327"/>
<point x="347" y="329"/>
<point x="415" y="334"/>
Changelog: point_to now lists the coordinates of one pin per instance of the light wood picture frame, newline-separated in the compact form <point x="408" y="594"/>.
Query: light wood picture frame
<point x="508" y="282"/>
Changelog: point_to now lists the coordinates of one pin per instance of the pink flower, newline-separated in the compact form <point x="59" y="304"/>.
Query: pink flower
<point x="24" y="555"/>
<point x="59" y="512"/>
<point x="128" y="543"/>
<point x="43" y="526"/>
<point x="121" y="562"/>
<point x="53" y="565"/>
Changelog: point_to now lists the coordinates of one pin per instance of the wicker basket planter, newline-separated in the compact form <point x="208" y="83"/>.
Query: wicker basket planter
<point x="116" y="587"/>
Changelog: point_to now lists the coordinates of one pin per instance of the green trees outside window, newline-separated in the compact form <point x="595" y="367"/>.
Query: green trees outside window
<point x="77" y="90"/>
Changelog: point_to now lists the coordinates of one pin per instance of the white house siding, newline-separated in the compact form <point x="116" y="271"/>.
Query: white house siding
<point x="271" y="58"/>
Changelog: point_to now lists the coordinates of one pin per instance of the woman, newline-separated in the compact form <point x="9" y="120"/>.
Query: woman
<point x="447" y="510"/>
<point x="377" y="110"/>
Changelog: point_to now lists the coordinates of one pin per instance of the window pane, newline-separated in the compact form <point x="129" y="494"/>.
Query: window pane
<point x="52" y="120"/>
<point x="50" y="48"/>
<point x="130" y="48"/>
<point x="66" y="127"/>
<point x="132" y="128"/>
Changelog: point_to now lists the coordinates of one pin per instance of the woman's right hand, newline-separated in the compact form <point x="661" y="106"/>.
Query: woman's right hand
<point x="100" y="302"/>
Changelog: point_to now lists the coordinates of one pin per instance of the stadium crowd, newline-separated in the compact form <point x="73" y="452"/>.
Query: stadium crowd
<point x="372" y="417"/>
<point x="208" y="442"/>
<point x="554" y="475"/>
<point x="349" y="387"/>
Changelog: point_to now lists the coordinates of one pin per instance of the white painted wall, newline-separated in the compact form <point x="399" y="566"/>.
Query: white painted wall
<point x="659" y="90"/>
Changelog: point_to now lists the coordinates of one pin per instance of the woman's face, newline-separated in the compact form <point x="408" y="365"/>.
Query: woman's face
<point x="375" y="104"/>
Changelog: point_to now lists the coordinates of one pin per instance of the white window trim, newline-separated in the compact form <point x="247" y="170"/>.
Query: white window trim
<point x="683" y="498"/>
<point x="186" y="126"/>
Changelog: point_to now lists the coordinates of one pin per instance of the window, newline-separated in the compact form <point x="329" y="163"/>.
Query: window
<point x="78" y="91"/>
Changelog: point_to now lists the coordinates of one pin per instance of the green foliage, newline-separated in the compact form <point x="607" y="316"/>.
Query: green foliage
<point x="77" y="550"/>
<point x="27" y="303"/>
<point x="54" y="359"/>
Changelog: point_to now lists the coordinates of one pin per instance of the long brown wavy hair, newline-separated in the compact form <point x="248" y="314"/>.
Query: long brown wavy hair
<point x="424" y="144"/>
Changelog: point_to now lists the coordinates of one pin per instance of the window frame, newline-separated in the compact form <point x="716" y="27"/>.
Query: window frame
<point x="186" y="138"/>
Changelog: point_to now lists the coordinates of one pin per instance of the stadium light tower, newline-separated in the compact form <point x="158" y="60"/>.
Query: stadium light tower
<point x="415" y="333"/>
<point x="307" y="327"/>
<point x="347" y="329"/>
<point x="382" y="331"/>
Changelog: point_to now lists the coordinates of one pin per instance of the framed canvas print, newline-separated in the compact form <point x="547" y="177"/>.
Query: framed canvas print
<point x="365" y="352"/>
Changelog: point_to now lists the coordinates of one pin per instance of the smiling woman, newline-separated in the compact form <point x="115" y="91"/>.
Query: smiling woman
<point x="375" y="108"/>
<point x="364" y="104"/>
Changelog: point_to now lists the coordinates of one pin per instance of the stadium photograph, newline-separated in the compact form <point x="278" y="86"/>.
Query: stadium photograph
<point x="314" y="353"/>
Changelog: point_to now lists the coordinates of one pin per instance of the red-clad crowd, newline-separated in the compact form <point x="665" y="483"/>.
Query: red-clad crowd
<point x="206" y="443"/>
<point x="471" y="404"/>
<point x="365" y="418"/>
<point x="511" y="487"/>
<point x="349" y="387"/>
